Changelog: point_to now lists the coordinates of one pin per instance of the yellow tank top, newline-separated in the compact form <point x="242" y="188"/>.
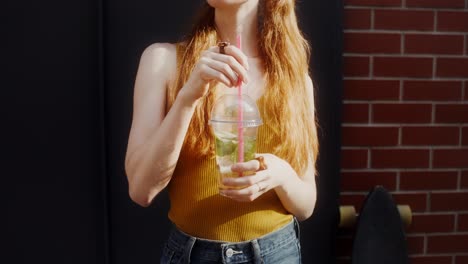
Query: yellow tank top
<point x="198" y="210"/>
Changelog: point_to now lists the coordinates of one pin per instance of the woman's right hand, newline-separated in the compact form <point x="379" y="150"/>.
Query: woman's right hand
<point x="213" y="66"/>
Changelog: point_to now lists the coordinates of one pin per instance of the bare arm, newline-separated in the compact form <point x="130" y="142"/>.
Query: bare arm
<point x="156" y="139"/>
<point x="299" y="194"/>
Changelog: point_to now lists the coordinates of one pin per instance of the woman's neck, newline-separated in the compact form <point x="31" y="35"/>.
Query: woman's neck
<point x="242" y="19"/>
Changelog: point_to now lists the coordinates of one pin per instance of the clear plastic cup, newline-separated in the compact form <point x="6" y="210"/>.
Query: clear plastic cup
<point x="226" y="126"/>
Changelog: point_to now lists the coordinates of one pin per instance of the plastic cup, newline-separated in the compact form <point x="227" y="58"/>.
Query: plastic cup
<point x="226" y="126"/>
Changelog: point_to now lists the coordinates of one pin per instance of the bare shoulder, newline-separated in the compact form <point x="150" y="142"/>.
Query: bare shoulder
<point x="159" y="59"/>
<point x="158" y="50"/>
<point x="310" y="87"/>
<point x="157" y="65"/>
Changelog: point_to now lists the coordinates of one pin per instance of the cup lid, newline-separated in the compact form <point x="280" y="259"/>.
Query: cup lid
<point x="227" y="108"/>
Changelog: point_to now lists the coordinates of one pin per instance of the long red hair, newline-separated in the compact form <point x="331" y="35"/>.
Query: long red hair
<point x="285" y="54"/>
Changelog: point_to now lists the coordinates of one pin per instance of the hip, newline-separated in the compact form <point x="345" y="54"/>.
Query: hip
<point x="280" y="246"/>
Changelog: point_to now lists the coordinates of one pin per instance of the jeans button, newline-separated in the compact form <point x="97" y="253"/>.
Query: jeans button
<point x="229" y="252"/>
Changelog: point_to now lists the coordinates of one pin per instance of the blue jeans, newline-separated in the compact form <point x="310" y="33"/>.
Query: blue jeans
<point x="279" y="247"/>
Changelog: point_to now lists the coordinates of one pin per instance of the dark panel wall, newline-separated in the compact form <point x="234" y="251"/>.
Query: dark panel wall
<point x="321" y="21"/>
<point x="52" y="206"/>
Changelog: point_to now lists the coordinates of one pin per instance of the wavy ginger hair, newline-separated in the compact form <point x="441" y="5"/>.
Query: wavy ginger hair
<point x="285" y="54"/>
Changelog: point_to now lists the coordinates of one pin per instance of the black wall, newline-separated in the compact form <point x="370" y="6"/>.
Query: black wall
<point x="53" y="208"/>
<point x="67" y="71"/>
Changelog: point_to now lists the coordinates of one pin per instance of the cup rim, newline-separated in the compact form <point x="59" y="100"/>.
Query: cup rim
<point x="248" y="123"/>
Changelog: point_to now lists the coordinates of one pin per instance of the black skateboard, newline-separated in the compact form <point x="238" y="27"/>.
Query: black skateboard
<point x="380" y="236"/>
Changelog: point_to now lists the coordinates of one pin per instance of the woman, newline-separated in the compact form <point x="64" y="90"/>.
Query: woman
<point x="171" y="143"/>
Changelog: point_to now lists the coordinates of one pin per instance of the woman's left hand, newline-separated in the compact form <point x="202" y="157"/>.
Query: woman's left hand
<point x="249" y="188"/>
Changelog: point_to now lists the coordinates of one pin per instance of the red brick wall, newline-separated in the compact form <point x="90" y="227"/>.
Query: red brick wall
<point x="405" y="119"/>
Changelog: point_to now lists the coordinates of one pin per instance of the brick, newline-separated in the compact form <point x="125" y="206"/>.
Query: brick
<point x="452" y="67"/>
<point x="371" y="90"/>
<point x="355" y="200"/>
<point x="432" y="223"/>
<point x="465" y="136"/>
<point x="372" y="2"/>
<point x="447" y="243"/>
<point x="404" y="19"/>
<point x="431" y="259"/>
<point x="464" y="180"/>
<point x="402" y="113"/>
<point x="415" y="244"/>
<point x="434" y="44"/>
<point x="450" y="158"/>
<point x="451" y="113"/>
<point x="430" y="135"/>
<point x="452" y="21"/>
<point x="400" y="158"/>
<point x="449" y="201"/>
<point x="366" y="180"/>
<point x="372" y="43"/>
<point x="369" y="136"/>
<point x="466" y="43"/>
<point x="353" y="158"/>
<point x="466" y="82"/>
<point x="417" y="201"/>
<point x="355" y="113"/>
<point x="462" y="222"/>
<point x="428" y="180"/>
<point x="461" y="259"/>
<point x="357" y="19"/>
<point x="432" y="90"/>
<point x="356" y="66"/>
<point x="403" y="67"/>
<point x="436" y="3"/>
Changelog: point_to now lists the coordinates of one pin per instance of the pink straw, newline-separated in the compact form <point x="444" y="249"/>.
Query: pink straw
<point x="240" y="133"/>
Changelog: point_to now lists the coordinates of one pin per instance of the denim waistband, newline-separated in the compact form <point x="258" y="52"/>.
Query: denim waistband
<point x="233" y="252"/>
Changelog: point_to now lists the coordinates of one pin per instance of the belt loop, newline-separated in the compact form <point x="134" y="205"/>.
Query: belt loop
<point x="298" y="228"/>
<point x="188" y="248"/>
<point x="256" y="250"/>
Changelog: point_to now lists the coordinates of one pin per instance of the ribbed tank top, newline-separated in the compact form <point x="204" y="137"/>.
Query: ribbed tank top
<point x="198" y="210"/>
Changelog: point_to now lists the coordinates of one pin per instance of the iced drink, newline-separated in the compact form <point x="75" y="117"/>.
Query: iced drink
<point x="227" y="152"/>
<point x="229" y="129"/>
